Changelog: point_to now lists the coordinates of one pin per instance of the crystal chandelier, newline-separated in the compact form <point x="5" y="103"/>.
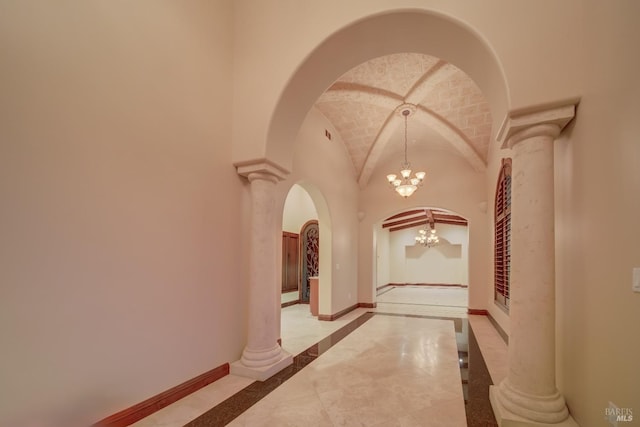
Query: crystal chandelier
<point x="427" y="238"/>
<point x="405" y="185"/>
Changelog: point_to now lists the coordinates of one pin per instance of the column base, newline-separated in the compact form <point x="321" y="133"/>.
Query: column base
<point x="261" y="373"/>
<point x="506" y="418"/>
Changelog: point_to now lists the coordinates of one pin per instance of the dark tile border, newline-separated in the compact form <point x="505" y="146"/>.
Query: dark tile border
<point x="227" y="411"/>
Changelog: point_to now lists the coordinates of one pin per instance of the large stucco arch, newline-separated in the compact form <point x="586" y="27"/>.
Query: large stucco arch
<point x="417" y="31"/>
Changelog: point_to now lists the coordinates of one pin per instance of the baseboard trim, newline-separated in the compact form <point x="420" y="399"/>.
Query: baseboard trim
<point x="330" y="317"/>
<point x="143" y="409"/>
<point x="477" y="312"/>
<point x="498" y="328"/>
<point x="288" y="303"/>
<point x="454" y="285"/>
<point x="368" y="304"/>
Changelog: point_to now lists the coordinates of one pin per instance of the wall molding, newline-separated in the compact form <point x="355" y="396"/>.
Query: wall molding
<point x="288" y="303"/>
<point x="368" y="304"/>
<point x="147" y="407"/>
<point x="331" y="317"/>
<point x="498" y="328"/>
<point x="455" y="285"/>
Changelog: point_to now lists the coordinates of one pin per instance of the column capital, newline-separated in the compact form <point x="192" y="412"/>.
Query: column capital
<point x="262" y="168"/>
<point x="549" y="121"/>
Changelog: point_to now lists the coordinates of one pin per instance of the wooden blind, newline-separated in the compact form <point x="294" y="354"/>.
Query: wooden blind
<point x="502" y="258"/>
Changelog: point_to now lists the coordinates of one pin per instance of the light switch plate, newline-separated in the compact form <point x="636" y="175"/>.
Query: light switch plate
<point x="636" y="280"/>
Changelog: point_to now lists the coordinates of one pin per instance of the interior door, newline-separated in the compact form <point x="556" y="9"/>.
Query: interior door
<point x="290" y="261"/>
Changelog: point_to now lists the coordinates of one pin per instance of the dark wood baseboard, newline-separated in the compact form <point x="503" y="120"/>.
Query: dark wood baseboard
<point x="288" y="303"/>
<point x="368" y="304"/>
<point x="144" y="409"/>
<point x="454" y="285"/>
<point x="477" y="311"/>
<point x="330" y="317"/>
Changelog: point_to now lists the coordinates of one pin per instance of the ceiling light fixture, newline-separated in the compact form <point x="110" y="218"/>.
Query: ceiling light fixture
<point x="405" y="185"/>
<point x="427" y="238"/>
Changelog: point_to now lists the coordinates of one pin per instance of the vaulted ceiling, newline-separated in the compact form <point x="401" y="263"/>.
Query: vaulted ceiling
<point x="450" y="111"/>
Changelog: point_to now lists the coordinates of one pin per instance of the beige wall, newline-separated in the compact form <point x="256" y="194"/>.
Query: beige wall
<point x="445" y="263"/>
<point x="298" y="209"/>
<point x="597" y="186"/>
<point x="116" y="190"/>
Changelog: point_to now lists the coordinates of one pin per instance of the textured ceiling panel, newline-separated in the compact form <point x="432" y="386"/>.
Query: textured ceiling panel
<point x="459" y="100"/>
<point x="361" y="102"/>
<point x="358" y="125"/>
<point x="395" y="73"/>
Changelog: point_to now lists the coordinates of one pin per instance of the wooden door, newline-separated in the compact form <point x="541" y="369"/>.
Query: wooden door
<point x="290" y="261"/>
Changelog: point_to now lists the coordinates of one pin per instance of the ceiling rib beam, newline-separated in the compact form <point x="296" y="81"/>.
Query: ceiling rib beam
<point x="404" y="221"/>
<point x="405" y="213"/>
<point x="429" y="214"/>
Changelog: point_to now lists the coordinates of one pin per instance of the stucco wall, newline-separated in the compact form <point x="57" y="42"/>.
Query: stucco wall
<point x="597" y="209"/>
<point x="298" y="209"/>
<point x="117" y="190"/>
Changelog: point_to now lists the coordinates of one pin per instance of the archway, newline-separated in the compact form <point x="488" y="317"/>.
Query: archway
<point x="304" y="205"/>
<point x="435" y="274"/>
<point x="401" y="31"/>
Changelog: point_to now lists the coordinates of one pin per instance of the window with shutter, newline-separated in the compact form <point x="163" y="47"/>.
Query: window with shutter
<point x="502" y="259"/>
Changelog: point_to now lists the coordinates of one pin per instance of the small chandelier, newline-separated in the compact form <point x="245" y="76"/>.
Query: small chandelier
<point x="427" y="238"/>
<point x="405" y="185"/>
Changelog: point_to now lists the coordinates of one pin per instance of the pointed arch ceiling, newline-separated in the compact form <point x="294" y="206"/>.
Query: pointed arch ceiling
<point x="362" y="105"/>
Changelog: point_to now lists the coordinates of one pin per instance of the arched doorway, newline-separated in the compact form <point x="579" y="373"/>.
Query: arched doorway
<point x="417" y="271"/>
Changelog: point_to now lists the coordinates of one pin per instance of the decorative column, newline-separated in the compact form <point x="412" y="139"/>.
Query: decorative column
<point x="262" y="356"/>
<point x="528" y="396"/>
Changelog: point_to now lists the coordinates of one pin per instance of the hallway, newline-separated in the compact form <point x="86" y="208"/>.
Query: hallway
<point x="374" y="375"/>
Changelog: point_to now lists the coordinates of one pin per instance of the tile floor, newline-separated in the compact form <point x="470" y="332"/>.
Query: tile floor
<point x="374" y="376"/>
